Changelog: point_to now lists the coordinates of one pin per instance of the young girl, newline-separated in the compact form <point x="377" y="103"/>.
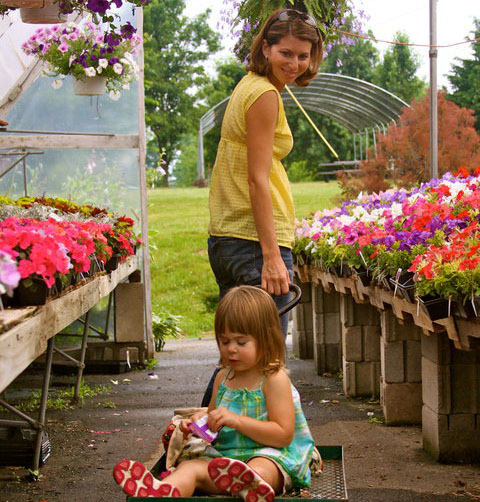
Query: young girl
<point x="264" y="445"/>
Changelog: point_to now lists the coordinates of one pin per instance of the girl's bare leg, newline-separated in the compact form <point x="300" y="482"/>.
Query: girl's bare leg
<point x="268" y="471"/>
<point x="192" y="474"/>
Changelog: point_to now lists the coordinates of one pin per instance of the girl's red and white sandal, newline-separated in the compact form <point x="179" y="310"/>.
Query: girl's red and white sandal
<point x="237" y="478"/>
<point x="136" y="480"/>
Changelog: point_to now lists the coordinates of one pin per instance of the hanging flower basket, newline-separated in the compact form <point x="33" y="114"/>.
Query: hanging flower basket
<point x="37" y="11"/>
<point x="90" y="86"/>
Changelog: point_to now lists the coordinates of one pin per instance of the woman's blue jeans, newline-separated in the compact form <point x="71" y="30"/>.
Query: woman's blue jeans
<point x="236" y="262"/>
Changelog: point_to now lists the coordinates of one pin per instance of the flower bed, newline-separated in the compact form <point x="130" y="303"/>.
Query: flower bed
<point x="47" y="244"/>
<point x="429" y="236"/>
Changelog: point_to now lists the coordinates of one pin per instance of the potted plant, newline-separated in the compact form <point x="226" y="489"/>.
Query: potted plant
<point x="94" y="59"/>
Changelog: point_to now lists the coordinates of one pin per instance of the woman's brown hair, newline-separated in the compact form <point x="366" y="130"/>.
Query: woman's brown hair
<point x="273" y="30"/>
<point x="248" y="310"/>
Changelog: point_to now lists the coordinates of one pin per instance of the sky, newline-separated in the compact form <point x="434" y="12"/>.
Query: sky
<point x="386" y="17"/>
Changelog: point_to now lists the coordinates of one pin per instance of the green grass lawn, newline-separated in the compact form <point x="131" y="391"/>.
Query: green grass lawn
<point x="182" y="281"/>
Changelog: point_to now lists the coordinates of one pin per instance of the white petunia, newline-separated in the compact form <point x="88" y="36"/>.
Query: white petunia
<point x="90" y="71"/>
<point x="99" y="69"/>
<point x="103" y="63"/>
<point x="118" y="68"/>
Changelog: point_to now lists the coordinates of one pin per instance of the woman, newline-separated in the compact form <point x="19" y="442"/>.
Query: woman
<point x="251" y="208"/>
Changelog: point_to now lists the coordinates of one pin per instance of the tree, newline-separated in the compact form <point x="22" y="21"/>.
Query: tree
<point x="465" y="79"/>
<point x="397" y="72"/>
<point x="229" y="73"/>
<point x="403" y="153"/>
<point x="175" y="48"/>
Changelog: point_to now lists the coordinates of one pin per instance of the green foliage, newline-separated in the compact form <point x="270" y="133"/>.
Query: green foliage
<point x="397" y="73"/>
<point x="175" y="49"/>
<point x="165" y="325"/>
<point x="62" y="400"/>
<point x="255" y="12"/>
<point x="86" y="186"/>
<point x="465" y="79"/>
<point x="185" y="169"/>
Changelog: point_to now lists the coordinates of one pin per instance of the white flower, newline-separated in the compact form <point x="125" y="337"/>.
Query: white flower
<point x="90" y="71"/>
<point x="99" y="69"/>
<point x="114" y="95"/>
<point x="118" y="68"/>
<point x="103" y="63"/>
<point x="57" y="83"/>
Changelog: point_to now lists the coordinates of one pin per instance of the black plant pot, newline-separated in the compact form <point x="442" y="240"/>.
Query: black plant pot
<point x="31" y="291"/>
<point x="112" y="263"/>
<point x="465" y="310"/>
<point x="342" y="270"/>
<point x="404" y="284"/>
<point x="363" y="275"/>
<point x="435" y="307"/>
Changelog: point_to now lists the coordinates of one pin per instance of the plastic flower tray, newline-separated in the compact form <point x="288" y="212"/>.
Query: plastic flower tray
<point x="329" y="486"/>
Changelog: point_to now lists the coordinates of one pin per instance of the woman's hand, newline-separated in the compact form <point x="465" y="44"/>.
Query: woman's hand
<point x="221" y="416"/>
<point x="275" y="276"/>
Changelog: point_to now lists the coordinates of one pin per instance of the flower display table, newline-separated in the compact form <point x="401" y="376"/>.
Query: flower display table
<point x="426" y="372"/>
<point x="25" y="334"/>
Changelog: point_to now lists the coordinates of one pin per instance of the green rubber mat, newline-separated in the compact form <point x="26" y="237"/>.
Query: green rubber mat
<point x="329" y="486"/>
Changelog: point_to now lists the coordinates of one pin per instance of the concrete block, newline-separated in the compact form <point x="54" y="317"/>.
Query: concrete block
<point x="366" y="314"/>
<point x="371" y="343"/>
<point x="436" y="386"/>
<point x="402" y="403"/>
<point x="327" y="358"/>
<point x="303" y="316"/>
<point x="393" y="331"/>
<point x="302" y="339"/>
<point x="392" y="362"/>
<point x="450" y="438"/>
<point x="413" y="360"/>
<point x="436" y="347"/>
<point x="347" y="305"/>
<point x="332" y="327"/>
<point x="129" y="312"/>
<point x="352" y="343"/>
<point x="361" y="379"/>
<point x="306" y="288"/>
<point x="464" y="388"/>
<point x="460" y="422"/>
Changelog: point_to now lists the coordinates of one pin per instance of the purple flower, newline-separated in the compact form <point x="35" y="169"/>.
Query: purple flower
<point x="127" y="30"/>
<point x="112" y="61"/>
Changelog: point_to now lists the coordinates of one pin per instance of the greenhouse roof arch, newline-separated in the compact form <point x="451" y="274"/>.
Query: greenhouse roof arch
<point x="356" y="104"/>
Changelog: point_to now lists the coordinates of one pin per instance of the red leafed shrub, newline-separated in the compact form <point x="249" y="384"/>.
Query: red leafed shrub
<point x="406" y="145"/>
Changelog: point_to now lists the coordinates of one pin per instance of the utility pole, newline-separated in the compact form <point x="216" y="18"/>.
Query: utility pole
<point x="433" y="53"/>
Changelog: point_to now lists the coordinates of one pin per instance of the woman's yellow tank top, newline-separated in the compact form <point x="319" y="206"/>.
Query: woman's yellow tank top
<point x="229" y="200"/>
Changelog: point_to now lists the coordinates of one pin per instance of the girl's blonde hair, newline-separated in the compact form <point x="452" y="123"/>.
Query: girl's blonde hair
<point x="249" y="310"/>
<point x="272" y="31"/>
